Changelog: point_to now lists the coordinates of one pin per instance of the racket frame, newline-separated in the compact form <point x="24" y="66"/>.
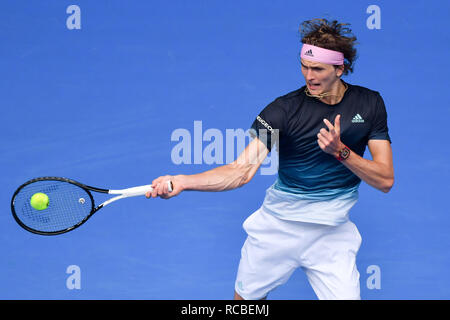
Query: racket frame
<point x="120" y="194"/>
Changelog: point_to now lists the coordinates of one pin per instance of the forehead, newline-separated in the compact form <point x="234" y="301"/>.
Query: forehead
<point x="314" y="64"/>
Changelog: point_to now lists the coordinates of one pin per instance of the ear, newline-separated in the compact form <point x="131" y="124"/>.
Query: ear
<point x="339" y="70"/>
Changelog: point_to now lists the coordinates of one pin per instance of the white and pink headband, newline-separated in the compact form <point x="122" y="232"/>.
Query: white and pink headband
<point x="317" y="54"/>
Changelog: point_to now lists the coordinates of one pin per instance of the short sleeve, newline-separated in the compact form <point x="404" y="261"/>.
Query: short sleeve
<point x="379" y="129"/>
<point x="269" y="124"/>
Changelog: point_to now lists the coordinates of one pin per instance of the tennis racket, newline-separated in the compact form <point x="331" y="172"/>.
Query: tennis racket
<point x="70" y="204"/>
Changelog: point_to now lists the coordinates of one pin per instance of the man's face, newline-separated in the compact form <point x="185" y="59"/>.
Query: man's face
<point x="320" y="77"/>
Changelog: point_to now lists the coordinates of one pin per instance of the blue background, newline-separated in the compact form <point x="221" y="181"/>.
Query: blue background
<point x="99" y="104"/>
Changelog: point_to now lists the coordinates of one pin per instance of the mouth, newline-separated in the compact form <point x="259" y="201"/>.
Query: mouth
<point x="313" y="86"/>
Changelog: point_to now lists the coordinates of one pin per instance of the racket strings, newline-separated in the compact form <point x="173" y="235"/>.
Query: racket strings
<point x="68" y="206"/>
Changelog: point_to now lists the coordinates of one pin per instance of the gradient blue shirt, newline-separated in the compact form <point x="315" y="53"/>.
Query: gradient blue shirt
<point x="305" y="171"/>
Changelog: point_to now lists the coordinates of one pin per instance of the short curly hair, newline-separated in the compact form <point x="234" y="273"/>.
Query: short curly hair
<point x="331" y="35"/>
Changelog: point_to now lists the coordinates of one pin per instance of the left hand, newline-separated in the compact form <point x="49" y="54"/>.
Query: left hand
<point x="330" y="141"/>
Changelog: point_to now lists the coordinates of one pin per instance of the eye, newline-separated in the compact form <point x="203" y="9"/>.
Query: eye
<point x="317" y="69"/>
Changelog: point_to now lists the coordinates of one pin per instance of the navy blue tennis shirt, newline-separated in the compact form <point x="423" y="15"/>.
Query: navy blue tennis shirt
<point x="305" y="169"/>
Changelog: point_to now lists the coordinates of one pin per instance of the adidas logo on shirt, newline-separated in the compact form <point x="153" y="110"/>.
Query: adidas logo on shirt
<point x="309" y="53"/>
<point x="357" y="119"/>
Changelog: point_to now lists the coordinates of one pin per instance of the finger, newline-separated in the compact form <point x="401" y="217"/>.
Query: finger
<point x="148" y="194"/>
<point x="324" y="136"/>
<point x="324" y="132"/>
<point x="166" y="188"/>
<point x="160" y="189"/>
<point x="165" y="191"/>
<point x="337" y="124"/>
<point x="329" y="125"/>
<point x="321" y="145"/>
<point x="155" y="191"/>
<point x="156" y="181"/>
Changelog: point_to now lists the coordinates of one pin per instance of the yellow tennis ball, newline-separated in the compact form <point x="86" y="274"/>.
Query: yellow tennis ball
<point x="39" y="201"/>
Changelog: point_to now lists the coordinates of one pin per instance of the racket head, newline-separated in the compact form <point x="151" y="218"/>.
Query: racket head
<point x="70" y="205"/>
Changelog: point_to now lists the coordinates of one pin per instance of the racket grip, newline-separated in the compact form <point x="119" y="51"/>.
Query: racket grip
<point x="138" y="191"/>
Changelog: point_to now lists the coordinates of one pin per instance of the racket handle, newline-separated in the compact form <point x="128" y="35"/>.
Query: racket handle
<point x="138" y="191"/>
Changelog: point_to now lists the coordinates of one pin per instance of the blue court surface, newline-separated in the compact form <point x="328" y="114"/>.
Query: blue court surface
<point x="99" y="101"/>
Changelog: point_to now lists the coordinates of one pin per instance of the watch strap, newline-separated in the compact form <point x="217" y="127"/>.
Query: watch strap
<point x="343" y="154"/>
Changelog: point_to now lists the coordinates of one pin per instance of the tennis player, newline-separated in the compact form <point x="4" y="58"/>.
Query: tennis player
<point x="321" y="132"/>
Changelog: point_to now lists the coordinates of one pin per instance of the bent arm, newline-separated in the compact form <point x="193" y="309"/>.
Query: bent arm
<point x="378" y="172"/>
<point x="226" y="177"/>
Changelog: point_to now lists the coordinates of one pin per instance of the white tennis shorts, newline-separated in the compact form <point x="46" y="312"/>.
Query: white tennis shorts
<point x="275" y="248"/>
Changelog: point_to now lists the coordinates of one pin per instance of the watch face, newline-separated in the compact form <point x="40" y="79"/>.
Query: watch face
<point x="345" y="153"/>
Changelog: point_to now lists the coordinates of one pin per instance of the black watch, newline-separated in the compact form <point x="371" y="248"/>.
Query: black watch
<point x="343" y="154"/>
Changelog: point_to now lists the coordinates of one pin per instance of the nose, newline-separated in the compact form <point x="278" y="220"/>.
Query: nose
<point x="309" y="75"/>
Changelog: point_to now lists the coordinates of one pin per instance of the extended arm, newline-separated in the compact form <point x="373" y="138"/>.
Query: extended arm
<point x="226" y="177"/>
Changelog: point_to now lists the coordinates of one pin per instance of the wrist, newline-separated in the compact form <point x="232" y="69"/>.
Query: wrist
<point x="181" y="182"/>
<point x="343" y="153"/>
